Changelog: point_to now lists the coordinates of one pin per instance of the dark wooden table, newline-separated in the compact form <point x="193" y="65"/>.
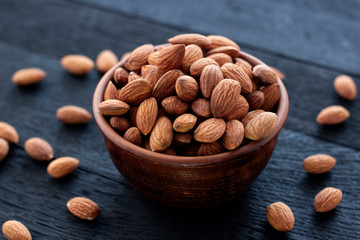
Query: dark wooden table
<point x="311" y="41"/>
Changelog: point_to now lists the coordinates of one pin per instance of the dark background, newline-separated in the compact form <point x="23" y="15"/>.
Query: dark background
<point x="311" y="41"/>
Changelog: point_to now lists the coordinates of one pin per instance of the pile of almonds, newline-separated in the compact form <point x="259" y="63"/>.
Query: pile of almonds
<point x="195" y="96"/>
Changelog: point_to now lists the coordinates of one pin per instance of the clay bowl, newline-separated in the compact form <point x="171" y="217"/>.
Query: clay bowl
<point x="189" y="182"/>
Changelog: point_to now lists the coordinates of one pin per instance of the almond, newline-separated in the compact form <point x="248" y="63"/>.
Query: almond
<point x="210" y="76"/>
<point x="280" y="74"/>
<point x="182" y="139"/>
<point x="113" y="107"/>
<point x="71" y="114"/>
<point x="223" y="96"/>
<point x="234" y="134"/>
<point x="135" y="92"/>
<point x="186" y="88"/>
<point x="242" y="62"/>
<point x="14" y="230"/>
<point x="238" y="110"/>
<point x="147" y="68"/>
<point x="133" y="76"/>
<point x="271" y="95"/>
<point x="345" y="87"/>
<point x="201" y="107"/>
<point x="197" y="67"/>
<point x="221" y="58"/>
<point x="120" y="124"/>
<point x="8" y="133"/>
<point x="245" y="67"/>
<point x="327" y="199"/>
<point x="139" y="57"/>
<point x="133" y="135"/>
<point x="251" y="115"/>
<point x="133" y="114"/>
<point x="111" y="91"/>
<point x="63" y="166"/>
<point x="260" y="126"/>
<point x="221" y="41"/>
<point x="146" y="115"/>
<point x="190" y="38"/>
<point x="121" y="77"/>
<point x="106" y="60"/>
<point x="83" y="208"/>
<point x="28" y="76"/>
<point x="210" y="130"/>
<point x="184" y="122"/>
<point x="229" y="50"/>
<point x="255" y="99"/>
<point x="153" y="58"/>
<point x="174" y="105"/>
<point x="170" y="57"/>
<point x="280" y="216"/>
<point x="162" y="134"/>
<point x="265" y="74"/>
<point x="333" y="115"/>
<point x="166" y="84"/>
<point x="39" y="149"/>
<point x="192" y="54"/>
<point x="210" y="149"/>
<point x="4" y="148"/>
<point x="319" y="163"/>
<point x="77" y="64"/>
<point x="237" y="73"/>
<point x="154" y="76"/>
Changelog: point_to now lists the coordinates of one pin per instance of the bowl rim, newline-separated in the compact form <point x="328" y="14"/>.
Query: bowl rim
<point x="159" y="158"/>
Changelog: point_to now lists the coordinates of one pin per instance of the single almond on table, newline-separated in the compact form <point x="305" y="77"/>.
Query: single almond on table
<point x="182" y="139"/>
<point x="135" y="92"/>
<point x="77" y="64"/>
<point x="210" y="149"/>
<point x="190" y="38"/>
<point x="210" y="76"/>
<point x="111" y="92"/>
<point x="8" y="133"/>
<point x="133" y="135"/>
<point x="83" y="208"/>
<point x="210" y="130"/>
<point x="319" y="163"/>
<point x="170" y="57"/>
<point x="201" y="107"/>
<point x="271" y="95"/>
<point x="251" y="115"/>
<point x="221" y="58"/>
<point x="71" y="114"/>
<point x="4" y="148"/>
<point x="113" y="107"/>
<point x="345" y="87"/>
<point x="186" y="88"/>
<point x="229" y="50"/>
<point x="146" y="115"/>
<point x="280" y="216"/>
<point x="106" y="60"/>
<point x="174" y="105"/>
<point x="28" y="76"/>
<point x="327" y="199"/>
<point x="192" y="54"/>
<point x="184" y="122"/>
<point x="63" y="166"/>
<point x="333" y="115"/>
<point x="138" y="57"/>
<point x="15" y="230"/>
<point x="121" y="77"/>
<point x="234" y="134"/>
<point x="255" y="99"/>
<point x="197" y="67"/>
<point x="265" y="74"/>
<point x="120" y="124"/>
<point x="221" y="41"/>
<point x="39" y="149"/>
<point x="233" y="71"/>
<point x="162" y="135"/>
<point x="260" y="126"/>
<point x="166" y="84"/>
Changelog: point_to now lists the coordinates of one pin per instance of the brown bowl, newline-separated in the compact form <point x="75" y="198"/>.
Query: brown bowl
<point x="191" y="182"/>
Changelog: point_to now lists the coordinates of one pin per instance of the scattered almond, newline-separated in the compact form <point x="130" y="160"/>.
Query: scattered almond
<point x="345" y="87"/>
<point x="184" y="122"/>
<point x="327" y="199"/>
<point x="106" y="60"/>
<point x="280" y="216"/>
<point x="162" y="135"/>
<point x="8" y="133"/>
<point x="15" y="230"/>
<point x="63" y="166"/>
<point x="210" y="130"/>
<point x="186" y="88"/>
<point x="260" y="126"/>
<point x="319" y="163"/>
<point x="4" y="148"/>
<point x="39" y="149"/>
<point x="83" y="208"/>
<point x="71" y="114"/>
<point x="28" y="76"/>
<point x="333" y="115"/>
<point x="77" y="64"/>
<point x="113" y="107"/>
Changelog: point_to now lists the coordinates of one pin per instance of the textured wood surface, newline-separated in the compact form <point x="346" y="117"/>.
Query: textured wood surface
<point x="311" y="42"/>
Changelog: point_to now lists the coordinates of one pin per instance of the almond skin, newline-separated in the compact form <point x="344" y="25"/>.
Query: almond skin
<point x="139" y="57"/>
<point x="4" y="148"/>
<point x="255" y="99"/>
<point x="190" y="38"/>
<point x="210" y="76"/>
<point x="221" y="41"/>
<point x="135" y="92"/>
<point x="166" y="84"/>
<point x="261" y="126"/>
<point x="345" y="87"/>
<point x="28" y="76"/>
<point x="229" y="50"/>
<point x="121" y="77"/>
<point x="77" y="64"/>
<point x="210" y="130"/>
<point x="332" y="115"/>
<point x="221" y="58"/>
<point x="251" y="115"/>
<point x="280" y="216"/>
<point x="234" y="134"/>
<point x="8" y="133"/>
<point x="242" y="62"/>
<point x="120" y="124"/>
<point x="238" y="110"/>
<point x="197" y="67"/>
<point x="182" y="139"/>
<point x="71" y="114"/>
<point x="146" y="115"/>
<point x="265" y="74"/>
<point x="170" y="57"/>
<point x="133" y="135"/>
<point x="147" y="68"/>
<point x="184" y="122"/>
<point x="15" y="230"/>
<point x="201" y="107"/>
<point x="186" y="88"/>
<point x="113" y="107"/>
<point x="153" y="77"/>
<point x="83" y="208"/>
<point x="133" y="114"/>
<point x="280" y="74"/>
<point x="63" y="166"/>
<point x="210" y="149"/>
<point x="174" y="105"/>
<point x="233" y="71"/>
<point x="153" y="58"/>
<point x="111" y="92"/>
<point x="319" y="163"/>
<point x="133" y="76"/>
<point x="327" y="199"/>
<point x="39" y="149"/>
<point x="106" y="60"/>
<point x="162" y="135"/>
<point x="192" y="54"/>
<point x="271" y="95"/>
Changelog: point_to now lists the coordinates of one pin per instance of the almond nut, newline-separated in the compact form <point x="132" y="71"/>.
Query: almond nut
<point x="83" y="208"/>
<point x="147" y="68"/>
<point x="210" y="130"/>
<point x="190" y="38"/>
<point x="77" y="64"/>
<point x="255" y="99"/>
<point x="201" y="107"/>
<point x="239" y="109"/>
<point x="63" y="166"/>
<point x="345" y="87"/>
<point x="234" y="134"/>
<point x="221" y="41"/>
<point x="170" y="57"/>
<point x="106" y="60"/>
<point x="39" y="149"/>
<point x="210" y="149"/>
<point x="221" y="58"/>
<point x="174" y="105"/>
<point x="71" y="114"/>
<point x="28" y="76"/>
<point x="146" y="115"/>
<point x="319" y="163"/>
<point x="280" y="216"/>
<point x="251" y="115"/>
<point x="182" y="139"/>
<point x="139" y="57"/>
<point x="327" y="199"/>
<point x="166" y="84"/>
<point x="271" y="95"/>
<point x="265" y="74"/>
<point x="233" y="71"/>
<point x="192" y="54"/>
<point x="14" y="230"/>
<point x="133" y="135"/>
<point x="133" y="76"/>
<point x="210" y="76"/>
<point x="8" y="133"/>
<point x="113" y="107"/>
<point x="261" y="126"/>
<point x="333" y="115"/>
<point x="197" y="67"/>
<point x="135" y="92"/>
<point x="111" y="92"/>
<point x="229" y="50"/>
<point x="120" y="124"/>
<point x="162" y="135"/>
<point x="186" y="88"/>
<point x="153" y="77"/>
<point x="121" y="77"/>
<point x="184" y="122"/>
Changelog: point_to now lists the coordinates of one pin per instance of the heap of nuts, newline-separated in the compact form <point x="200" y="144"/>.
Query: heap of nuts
<point x="194" y="96"/>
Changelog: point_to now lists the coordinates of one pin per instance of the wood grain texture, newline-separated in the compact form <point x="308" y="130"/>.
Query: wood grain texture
<point x="33" y="38"/>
